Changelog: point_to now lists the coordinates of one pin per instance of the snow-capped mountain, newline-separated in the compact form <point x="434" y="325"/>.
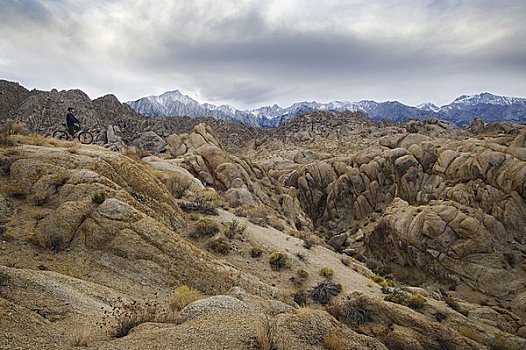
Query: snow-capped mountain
<point x="461" y="111"/>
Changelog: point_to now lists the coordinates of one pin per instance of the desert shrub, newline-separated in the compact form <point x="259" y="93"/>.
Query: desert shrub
<point x="205" y="227"/>
<point x="178" y="184"/>
<point x="256" y="252"/>
<point x="325" y="291"/>
<point x="278" y="259"/>
<point x="125" y="316"/>
<point x="351" y="312"/>
<point x="310" y="241"/>
<point x="205" y="202"/>
<point x="264" y="336"/>
<point x="333" y="341"/>
<point x="415" y="302"/>
<point x="99" y="197"/>
<point x="183" y="296"/>
<point x="234" y="228"/>
<point x="454" y="304"/>
<point x="300" y="298"/>
<point x="387" y="283"/>
<point x="219" y="245"/>
<point x="376" y="278"/>
<point x="300" y="278"/>
<point x="471" y="333"/>
<point x="326" y="272"/>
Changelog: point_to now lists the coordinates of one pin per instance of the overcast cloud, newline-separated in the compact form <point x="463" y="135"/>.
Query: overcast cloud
<point x="253" y="53"/>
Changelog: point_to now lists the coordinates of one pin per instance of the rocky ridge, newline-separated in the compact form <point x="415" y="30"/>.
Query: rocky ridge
<point x="423" y="204"/>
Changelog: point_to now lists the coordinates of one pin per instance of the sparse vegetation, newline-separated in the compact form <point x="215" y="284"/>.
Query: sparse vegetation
<point x="454" y="304"/>
<point x="264" y="337"/>
<point x="177" y="184"/>
<point x="234" y="228"/>
<point x="333" y="341"/>
<point x="300" y="278"/>
<point x="300" y="298"/>
<point x="184" y="295"/>
<point x="351" y="312"/>
<point x="256" y="252"/>
<point x="471" y="333"/>
<point x="310" y="241"/>
<point x="124" y="317"/>
<point x="325" y="291"/>
<point x="204" y="202"/>
<point x="278" y="259"/>
<point x="205" y="227"/>
<point x="219" y="245"/>
<point x="415" y="302"/>
<point x="326" y="272"/>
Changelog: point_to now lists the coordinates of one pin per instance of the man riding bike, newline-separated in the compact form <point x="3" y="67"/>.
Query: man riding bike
<point x="72" y="123"/>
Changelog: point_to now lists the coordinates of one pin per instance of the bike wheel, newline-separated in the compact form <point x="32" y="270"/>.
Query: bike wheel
<point x="85" y="137"/>
<point x="60" y="135"/>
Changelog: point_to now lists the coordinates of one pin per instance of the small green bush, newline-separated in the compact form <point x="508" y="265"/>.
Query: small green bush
<point x="326" y="272"/>
<point x="278" y="259"/>
<point x="205" y="227"/>
<point x="219" y="245"/>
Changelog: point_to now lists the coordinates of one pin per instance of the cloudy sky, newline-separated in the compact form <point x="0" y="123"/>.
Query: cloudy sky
<point x="252" y="53"/>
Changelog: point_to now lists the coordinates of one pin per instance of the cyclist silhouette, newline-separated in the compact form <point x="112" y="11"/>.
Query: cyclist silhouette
<point x="72" y="123"/>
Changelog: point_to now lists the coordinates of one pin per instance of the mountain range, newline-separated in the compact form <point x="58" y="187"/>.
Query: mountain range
<point x="488" y="107"/>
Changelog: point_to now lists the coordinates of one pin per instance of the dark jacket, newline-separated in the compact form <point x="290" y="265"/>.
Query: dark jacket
<point x="71" y="120"/>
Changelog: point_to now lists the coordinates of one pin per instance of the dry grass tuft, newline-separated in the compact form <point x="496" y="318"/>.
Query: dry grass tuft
<point x="326" y="272"/>
<point x="184" y="295"/>
<point x="454" y="304"/>
<point x="264" y="337"/>
<point x="278" y="259"/>
<point x="333" y="341"/>
<point x="471" y="333"/>
<point x="74" y="148"/>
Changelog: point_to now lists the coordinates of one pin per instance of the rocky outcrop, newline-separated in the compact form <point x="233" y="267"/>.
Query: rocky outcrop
<point x="453" y="209"/>
<point x="12" y="95"/>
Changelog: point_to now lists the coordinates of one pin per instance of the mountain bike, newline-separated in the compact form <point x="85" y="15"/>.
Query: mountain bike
<point x="83" y="135"/>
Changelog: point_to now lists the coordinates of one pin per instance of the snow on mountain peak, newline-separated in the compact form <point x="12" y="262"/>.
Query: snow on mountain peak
<point x="428" y="106"/>
<point x="460" y="111"/>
